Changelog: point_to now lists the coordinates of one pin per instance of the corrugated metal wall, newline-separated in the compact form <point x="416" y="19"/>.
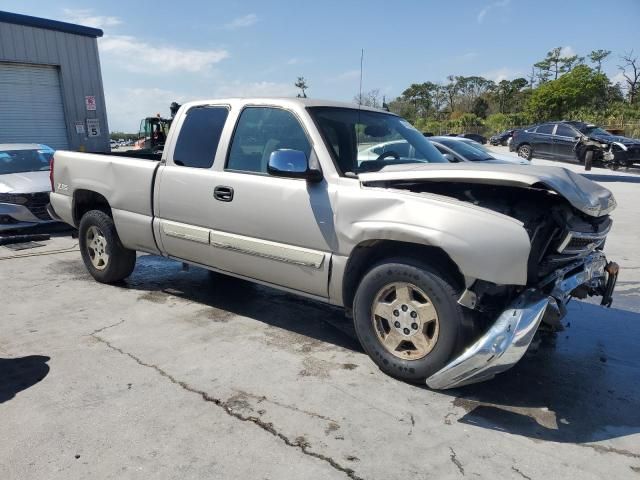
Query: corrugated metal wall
<point x="80" y="76"/>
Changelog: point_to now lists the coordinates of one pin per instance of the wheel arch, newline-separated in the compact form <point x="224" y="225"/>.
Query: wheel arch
<point x="370" y="252"/>
<point x="86" y="200"/>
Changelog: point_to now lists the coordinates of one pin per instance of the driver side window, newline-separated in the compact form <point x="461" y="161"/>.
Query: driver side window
<point x="261" y="131"/>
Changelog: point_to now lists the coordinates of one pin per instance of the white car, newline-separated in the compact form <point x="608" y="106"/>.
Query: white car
<point x="24" y="185"/>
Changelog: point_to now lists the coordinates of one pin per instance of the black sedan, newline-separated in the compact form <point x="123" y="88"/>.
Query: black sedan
<point x="558" y="141"/>
<point x="501" y="138"/>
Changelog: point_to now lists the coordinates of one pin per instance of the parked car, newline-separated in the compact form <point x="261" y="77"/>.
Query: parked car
<point x="501" y="138"/>
<point x="570" y="140"/>
<point x="476" y="137"/>
<point x="448" y="269"/>
<point x="113" y="144"/>
<point x="24" y="185"/>
<point x="458" y="149"/>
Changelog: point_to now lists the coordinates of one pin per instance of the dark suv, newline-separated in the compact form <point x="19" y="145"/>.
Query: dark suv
<point x="558" y="140"/>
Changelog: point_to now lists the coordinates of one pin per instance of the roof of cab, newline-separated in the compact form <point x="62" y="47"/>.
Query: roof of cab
<point x="283" y="101"/>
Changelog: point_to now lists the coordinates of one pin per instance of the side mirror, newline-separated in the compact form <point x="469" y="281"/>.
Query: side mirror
<point x="450" y="157"/>
<point x="292" y="164"/>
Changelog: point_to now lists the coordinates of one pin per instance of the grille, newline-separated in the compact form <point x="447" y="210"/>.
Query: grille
<point x="35" y="202"/>
<point x="579" y="242"/>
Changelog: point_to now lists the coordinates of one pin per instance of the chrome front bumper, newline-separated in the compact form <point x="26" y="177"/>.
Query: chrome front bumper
<point x="501" y="347"/>
<point x="504" y="344"/>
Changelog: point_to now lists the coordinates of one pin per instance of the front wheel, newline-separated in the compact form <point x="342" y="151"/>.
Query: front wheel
<point x="105" y="257"/>
<point x="588" y="160"/>
<point x="407" y="319"/>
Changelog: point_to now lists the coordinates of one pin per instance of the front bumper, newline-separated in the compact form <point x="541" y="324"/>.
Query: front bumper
<point x="15" y="217"/>
<point x="504" y="344"/>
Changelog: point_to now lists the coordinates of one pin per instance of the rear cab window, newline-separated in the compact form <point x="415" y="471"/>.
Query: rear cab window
<point x="199" y="137"/>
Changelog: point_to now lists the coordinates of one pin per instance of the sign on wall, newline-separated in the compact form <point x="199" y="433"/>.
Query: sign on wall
<point x="93" y="127"/>
<point x="90" y="102"/>
<point x="80" y="128"/>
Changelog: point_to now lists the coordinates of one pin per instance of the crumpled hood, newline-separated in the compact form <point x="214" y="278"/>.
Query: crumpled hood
<point x="582" y="193"/>
<point x="615" y="138"/>
<point x="26" y="182"/>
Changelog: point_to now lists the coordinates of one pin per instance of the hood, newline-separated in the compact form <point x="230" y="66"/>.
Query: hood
<point x="25" y="182"/>
<point x="582" y="193"/>
<point x="615" y="138"/>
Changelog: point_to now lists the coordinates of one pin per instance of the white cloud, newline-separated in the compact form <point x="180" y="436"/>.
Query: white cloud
<point x="255" y="89"/>
<point x="85" y="16"/>
<point x="504" y="73"/>
<point x="241" y="22"/>
<point x="138" y="56"/>
<point x="487" y="8"/>
<point x="567" y="51"/>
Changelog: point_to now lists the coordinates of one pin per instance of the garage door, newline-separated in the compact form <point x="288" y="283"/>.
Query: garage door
<point x="31" y="109"/>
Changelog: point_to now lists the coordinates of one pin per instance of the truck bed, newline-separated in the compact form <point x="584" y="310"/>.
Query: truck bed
<point x="125" y="182"/>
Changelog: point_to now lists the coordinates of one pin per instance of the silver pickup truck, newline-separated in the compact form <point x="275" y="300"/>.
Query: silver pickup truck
<point x="447" y="269"/>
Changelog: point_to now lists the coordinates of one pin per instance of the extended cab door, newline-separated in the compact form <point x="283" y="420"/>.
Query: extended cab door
<point x="237" y="218"/>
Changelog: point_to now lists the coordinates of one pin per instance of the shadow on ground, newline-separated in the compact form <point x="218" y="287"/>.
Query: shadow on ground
<point x="612" y="178"/>
<point x="580" y="386"/>
<point x="159" y="277"/>
<point x="18" y="374"/>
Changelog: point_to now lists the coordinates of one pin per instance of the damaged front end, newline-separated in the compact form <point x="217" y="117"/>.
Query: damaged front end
<point x="567" y="227"/>
<point x="566" y="261"/>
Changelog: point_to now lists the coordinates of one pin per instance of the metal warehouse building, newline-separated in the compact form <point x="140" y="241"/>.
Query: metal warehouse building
<point x="51" y="85"/>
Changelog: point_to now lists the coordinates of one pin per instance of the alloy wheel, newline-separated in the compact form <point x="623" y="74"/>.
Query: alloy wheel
<point x="96" y="245"/>
<point x="405" y="320"/>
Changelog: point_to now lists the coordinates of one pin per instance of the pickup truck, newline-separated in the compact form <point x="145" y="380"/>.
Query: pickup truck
<point x="448" y="270"/>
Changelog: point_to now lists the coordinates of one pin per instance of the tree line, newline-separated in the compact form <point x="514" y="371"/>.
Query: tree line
<point x="559" y="86"/>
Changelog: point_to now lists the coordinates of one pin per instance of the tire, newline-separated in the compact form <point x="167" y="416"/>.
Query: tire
<point x="107" y="260"/>
<point x="588" y="160"/>
<point x="440" y="340"/>
<point x="525" y="151"/>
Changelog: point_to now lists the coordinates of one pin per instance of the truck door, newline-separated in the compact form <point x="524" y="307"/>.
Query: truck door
<point x="241" y="220"/>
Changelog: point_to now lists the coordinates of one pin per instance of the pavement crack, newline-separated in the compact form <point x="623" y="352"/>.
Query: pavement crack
<point x="299" y="443"/>
<point x="102" y="329"/>
<point x="455" y="461"/>
<point x="519" y="472"/>
<point x="604" y="449"/>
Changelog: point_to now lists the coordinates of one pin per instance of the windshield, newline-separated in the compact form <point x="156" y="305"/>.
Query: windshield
<point x="18" y="161"/>
<point x="365" y="141"/>
<point x="593" y="130"/>
<point x="469" y="151"/>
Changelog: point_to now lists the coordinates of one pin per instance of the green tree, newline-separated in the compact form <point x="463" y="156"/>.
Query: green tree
<point x="597" y="57"/>
<point x="480" y="107"/>
<point x="581" y="87"/>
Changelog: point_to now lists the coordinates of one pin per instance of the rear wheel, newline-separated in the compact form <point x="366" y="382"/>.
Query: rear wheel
<point x="525" y="151"/>
<point x="105" y="257"/>
<point x="407" y="319"/>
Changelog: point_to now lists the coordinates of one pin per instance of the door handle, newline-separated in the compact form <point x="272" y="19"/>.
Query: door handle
<point x="222" y="193"/>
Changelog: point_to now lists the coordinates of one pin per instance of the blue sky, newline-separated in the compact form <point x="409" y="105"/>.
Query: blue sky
<point x="156" y="52"/>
